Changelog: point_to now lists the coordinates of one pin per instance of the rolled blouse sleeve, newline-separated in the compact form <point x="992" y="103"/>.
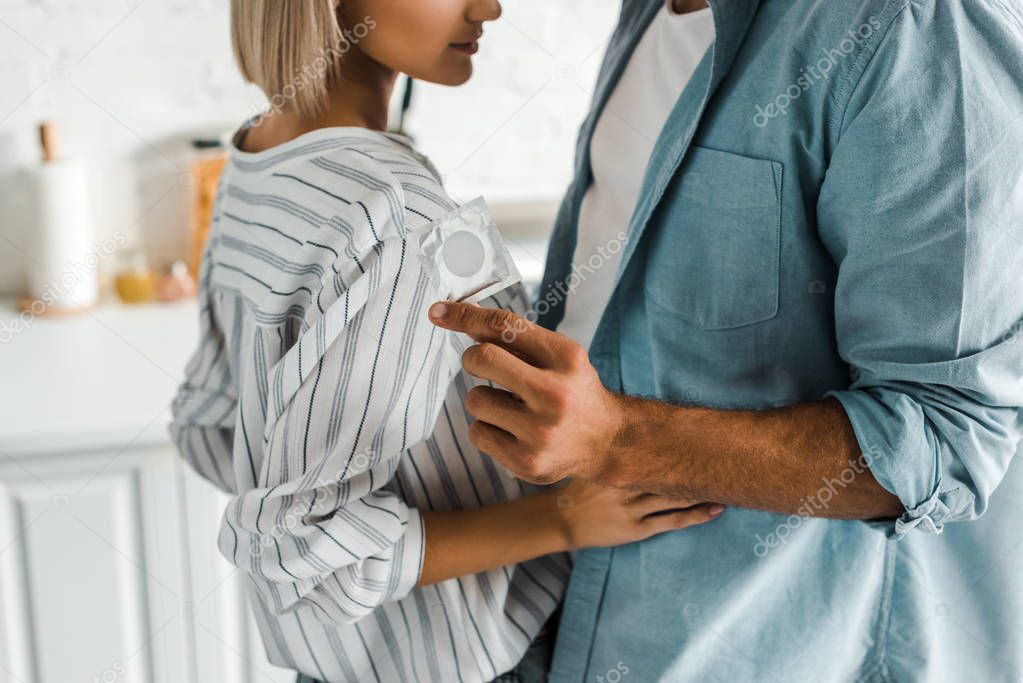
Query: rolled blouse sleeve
<point x="322" y="532"/>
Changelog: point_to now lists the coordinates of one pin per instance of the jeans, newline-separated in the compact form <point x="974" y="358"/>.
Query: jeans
<point x="532" y="668"/>
<point x="535" y="663"/>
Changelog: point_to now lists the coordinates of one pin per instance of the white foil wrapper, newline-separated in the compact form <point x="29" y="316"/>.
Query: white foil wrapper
<point x="465" y="255"/>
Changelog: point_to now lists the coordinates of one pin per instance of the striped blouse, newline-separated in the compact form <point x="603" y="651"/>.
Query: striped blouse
<point x="325" y="402"/>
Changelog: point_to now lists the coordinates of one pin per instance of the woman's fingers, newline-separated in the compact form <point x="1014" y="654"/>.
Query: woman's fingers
<point x="650" y="503"/>
<point x="680" y="519"/>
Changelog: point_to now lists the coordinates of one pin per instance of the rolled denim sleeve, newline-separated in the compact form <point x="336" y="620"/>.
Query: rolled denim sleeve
<point x="922" y="210"/>
<point x="941" y="449"/>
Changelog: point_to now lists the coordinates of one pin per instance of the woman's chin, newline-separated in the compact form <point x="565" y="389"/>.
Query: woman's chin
<point x="462" y="77"/>
<point x="451" y="73"/>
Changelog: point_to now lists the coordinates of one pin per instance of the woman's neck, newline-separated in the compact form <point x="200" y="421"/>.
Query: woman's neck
<point x="362" y="95"/>
<point x="359" y="98"/>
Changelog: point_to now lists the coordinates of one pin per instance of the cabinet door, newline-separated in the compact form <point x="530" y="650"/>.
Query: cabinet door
<point x="227" y="645"/>
<point x="92" y="586"/>
<point x="109" y="572"/>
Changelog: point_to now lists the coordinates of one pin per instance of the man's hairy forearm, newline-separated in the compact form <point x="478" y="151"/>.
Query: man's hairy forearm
<point x="780" y="460"/>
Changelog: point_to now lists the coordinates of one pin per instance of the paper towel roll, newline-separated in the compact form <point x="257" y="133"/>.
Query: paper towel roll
<point x="65" y="276"/>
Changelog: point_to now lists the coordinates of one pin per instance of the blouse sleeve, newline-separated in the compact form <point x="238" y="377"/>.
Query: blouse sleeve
<point x="322" y="531"/>
<point x="206" y="405"/>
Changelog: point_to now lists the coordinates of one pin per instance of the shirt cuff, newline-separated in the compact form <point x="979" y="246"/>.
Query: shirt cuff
<point x="408" y="557"/>
<point x="900" y="460"/>
<point x="929" y="516"/>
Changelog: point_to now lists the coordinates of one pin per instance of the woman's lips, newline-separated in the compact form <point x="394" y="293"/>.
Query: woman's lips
<point x="468" y="48"/>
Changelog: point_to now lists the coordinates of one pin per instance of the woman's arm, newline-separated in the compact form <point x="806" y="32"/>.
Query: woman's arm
<point x="578" y="515"/>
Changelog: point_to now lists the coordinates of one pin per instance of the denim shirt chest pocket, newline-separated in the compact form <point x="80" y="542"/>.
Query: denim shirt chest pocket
<point x="715" y="244"/>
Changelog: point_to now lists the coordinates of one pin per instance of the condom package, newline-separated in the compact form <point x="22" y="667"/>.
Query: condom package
<point x="465" y="255"/>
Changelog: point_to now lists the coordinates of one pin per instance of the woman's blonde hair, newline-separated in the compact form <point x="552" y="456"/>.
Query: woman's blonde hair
<point x="291" y="49"/>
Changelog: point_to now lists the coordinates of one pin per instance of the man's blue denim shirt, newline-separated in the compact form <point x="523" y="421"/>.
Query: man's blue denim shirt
<point x="834" y="208"/>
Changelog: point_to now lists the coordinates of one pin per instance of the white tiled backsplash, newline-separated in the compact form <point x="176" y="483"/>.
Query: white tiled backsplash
<point x="129" y="82"/>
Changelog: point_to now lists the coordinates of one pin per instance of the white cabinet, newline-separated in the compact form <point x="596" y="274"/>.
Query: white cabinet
<point x="109" y="569"/>
<point x="227" y="645"/>
<point x="109" y="572"/>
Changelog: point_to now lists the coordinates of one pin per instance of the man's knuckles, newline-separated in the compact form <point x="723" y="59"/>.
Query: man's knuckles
<point x="574" y="356"/>
<point x="535" y="468"/>
<point x="544" y="435"/>
<point x="488" y="322"/>
<point x="481" y="356"/>
<point x="530" y="464"/>
<point x="558" y="399"/>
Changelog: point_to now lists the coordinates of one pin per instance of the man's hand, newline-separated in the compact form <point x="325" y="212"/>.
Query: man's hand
<point x="556" y="419"/>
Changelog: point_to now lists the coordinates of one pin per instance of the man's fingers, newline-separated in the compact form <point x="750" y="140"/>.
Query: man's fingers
<point x="499" y="408"/>
<point x="495" y="442"/>
<point x="498" y="327"/>
<point x="496" y="364"/>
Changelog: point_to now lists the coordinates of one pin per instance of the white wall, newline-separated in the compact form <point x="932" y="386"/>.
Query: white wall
<point x="130" y="81"/>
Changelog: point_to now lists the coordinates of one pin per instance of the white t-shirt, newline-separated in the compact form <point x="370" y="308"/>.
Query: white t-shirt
<point x="658" y="71"/>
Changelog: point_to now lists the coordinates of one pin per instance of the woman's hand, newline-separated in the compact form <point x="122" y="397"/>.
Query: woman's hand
<point x="594" y="515"/>
<point x="576" y="515"/>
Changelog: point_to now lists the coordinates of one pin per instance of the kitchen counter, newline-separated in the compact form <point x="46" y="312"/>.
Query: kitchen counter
<point x="95" y="380"/>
